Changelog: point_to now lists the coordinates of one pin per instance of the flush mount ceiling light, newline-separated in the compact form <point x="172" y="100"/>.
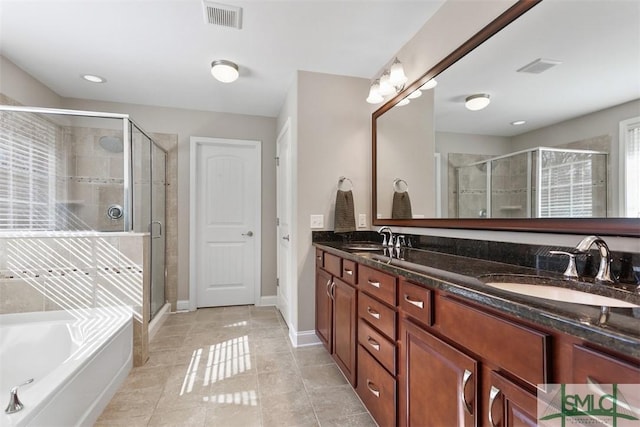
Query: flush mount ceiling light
<point x="477" y="102"/>
<point x="224" y="71"/>
<point x="391" y="82"/>
<point x="93" y="78"/>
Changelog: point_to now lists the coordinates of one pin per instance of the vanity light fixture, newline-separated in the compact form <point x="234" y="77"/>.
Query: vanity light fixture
<point x="374" y="93"/>
<point x="224" y="71"/>
<point x="477" y="102"/>
<point x="93" y="78"/>
<point x="391" y="82"/>
<point x="403" y="102"/>
<point x="430" y="84"/>
<point x="518" y="122"/>
<point x="415" y="94"/>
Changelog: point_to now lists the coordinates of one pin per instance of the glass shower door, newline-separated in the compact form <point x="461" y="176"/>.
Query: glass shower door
<point x="157" y="228"/>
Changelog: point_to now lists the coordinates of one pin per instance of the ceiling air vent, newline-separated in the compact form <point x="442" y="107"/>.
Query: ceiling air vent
<point x="539" y="65"/>
<point x="222" y="14"/>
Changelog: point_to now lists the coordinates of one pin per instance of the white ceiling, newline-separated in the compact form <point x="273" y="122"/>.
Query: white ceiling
<point x="158" y="52"/>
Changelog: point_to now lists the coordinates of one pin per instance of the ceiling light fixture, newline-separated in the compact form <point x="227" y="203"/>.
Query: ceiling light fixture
<point x="391" y="82"/>
<point x="93" y="78"/>
<point x="477" y="102"/>
<point x="224" y="71"/>
<point x="518" y="122"/>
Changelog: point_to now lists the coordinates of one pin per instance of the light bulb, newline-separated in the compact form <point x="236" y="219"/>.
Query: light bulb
<point x="374" y="93"/>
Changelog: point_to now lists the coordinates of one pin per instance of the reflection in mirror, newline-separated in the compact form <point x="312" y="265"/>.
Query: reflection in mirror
<point x="560" y="137"/>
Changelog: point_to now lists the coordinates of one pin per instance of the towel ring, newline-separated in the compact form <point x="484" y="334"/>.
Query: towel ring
<point x="341" y="181"/>
<point x="398" y="184"/>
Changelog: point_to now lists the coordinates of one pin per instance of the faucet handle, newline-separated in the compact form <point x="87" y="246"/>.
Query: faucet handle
<point x="14" y="402"/>
<point x="400" y="240"/>
<point x="571" y="271"/>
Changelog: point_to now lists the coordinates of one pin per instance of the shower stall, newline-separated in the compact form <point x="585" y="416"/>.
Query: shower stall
<point x="67" y="172"/>
<point x="537" y="183"/>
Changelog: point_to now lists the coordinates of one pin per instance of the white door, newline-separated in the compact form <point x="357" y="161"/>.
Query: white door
<point x="284" y="204"/>
<point x="227" y="221"/>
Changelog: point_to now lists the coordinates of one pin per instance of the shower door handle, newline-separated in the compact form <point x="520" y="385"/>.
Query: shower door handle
<point x="151" y="229"/>
<point x="248" y="233"/>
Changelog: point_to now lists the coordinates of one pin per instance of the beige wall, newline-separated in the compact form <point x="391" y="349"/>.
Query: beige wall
<point x="331" y="138"/>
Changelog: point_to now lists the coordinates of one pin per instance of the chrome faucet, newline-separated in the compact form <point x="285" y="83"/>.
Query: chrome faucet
<point x="385" y="241"/>
<point x="14" y="402"/>
<point x="604" y="271"/>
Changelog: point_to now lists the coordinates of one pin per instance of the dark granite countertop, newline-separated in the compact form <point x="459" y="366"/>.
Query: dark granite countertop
<point x="615" y="328"/>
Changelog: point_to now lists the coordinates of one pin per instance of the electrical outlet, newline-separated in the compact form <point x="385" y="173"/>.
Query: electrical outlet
<point x="362" y="220"/>
<point x="317" y="221"/>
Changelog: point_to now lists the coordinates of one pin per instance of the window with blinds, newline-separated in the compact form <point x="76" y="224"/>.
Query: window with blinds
<point x="631" y="148"/>
<point x="27" y="172"/>
<point x="566" y="189"/>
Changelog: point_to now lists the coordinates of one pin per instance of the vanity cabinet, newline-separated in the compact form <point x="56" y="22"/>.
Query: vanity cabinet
<point x="336" y="310"/>
<point x="508" y="404"/>
<point x="377" y="336"/>
<point x="439" y="382"/>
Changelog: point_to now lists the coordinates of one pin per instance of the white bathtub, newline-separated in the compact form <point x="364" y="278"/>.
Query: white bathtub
<point x="78" y="360"/>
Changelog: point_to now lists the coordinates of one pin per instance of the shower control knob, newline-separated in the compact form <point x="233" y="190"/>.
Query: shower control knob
<point x="248" y="233"/>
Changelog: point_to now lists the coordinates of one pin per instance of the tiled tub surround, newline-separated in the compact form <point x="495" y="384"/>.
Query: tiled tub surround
<point x="65" y="271"/>
<point x="234" y="366"/>
<point x="462" y="276"/>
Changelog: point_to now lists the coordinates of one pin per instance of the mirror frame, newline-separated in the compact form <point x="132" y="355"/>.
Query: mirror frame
<point x="602" y="226"/>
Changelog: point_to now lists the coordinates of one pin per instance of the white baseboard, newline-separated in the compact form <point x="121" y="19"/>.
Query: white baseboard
<point x="304" y="338"/>
<point x="182" y="305"/>
<point x="268" y="300"/>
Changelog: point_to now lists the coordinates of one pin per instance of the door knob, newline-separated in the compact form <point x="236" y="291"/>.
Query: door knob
<point x="286" y="237"/>
<point x="248" y="233"/>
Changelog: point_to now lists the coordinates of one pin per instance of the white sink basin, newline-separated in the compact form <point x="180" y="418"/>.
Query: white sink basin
<point x="560" y="294"/>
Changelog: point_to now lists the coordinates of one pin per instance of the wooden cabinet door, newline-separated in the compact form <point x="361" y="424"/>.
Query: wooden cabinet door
<point x="345" y="312"/>
<point x="324" y="308"/>
<point x="439" y="382"/>
<point x="509" y="405"/>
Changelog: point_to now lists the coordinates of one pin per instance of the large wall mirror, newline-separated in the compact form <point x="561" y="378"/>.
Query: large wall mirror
<point x="554" y="149"/>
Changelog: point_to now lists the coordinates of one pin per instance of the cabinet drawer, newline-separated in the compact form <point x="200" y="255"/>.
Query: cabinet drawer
<point x="383" y="350"/>
<point x="416" y="301"/>
<point x="333" y="264"/>
<point x="591" y="366"/>
<point x="379" y="284"/>
<point x="515" y="348"/>
<point x="349" y="271"/>
<point x="319" y="258"/>
<point x="377" y="389"/>
<point x="377" y="314"/>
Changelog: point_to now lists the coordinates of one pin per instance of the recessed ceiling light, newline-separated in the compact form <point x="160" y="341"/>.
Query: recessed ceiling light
<point x="518" y="122"/>
<point x="93" y="78"/>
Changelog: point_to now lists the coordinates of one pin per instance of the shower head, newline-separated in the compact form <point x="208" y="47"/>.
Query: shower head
<point x="111" y="143"/>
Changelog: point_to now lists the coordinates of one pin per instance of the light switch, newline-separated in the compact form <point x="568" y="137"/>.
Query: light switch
<point x="317" y="221"/>
<point x="362" y="220"/>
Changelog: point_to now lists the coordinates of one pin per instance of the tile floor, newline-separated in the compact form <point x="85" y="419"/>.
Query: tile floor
<point x="233" y="366"/>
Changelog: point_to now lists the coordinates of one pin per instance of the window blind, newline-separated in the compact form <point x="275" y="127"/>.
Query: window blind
<point x="566" y="190"/>
<point x="27" y="172"/>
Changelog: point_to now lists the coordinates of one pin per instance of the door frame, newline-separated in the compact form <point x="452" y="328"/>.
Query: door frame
<point x="194" y="143"/>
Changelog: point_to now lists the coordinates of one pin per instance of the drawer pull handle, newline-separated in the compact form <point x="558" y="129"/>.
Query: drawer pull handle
<point x="373" y="343"/>
<point x="328" y="284"/>
<point x="374" y="284"/>
<point x="493" y="394"/>
<point x="418" y="303"/>
<point x="319" y="258"/>
<point x="373" y="313"/>
<point x="348" y="272"/>
<point x="373" y="389"/>
<point x="465" y="379"/>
